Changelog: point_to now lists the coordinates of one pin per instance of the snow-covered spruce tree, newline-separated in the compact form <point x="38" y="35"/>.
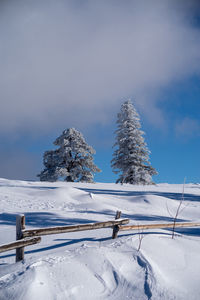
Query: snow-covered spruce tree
<point x="131" y="157"/>
<point x="72" y="161"/>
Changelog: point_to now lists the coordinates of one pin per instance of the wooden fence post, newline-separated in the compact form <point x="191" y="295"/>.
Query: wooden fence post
<point x="116" y="227"/>
<point x="20" y="225"/>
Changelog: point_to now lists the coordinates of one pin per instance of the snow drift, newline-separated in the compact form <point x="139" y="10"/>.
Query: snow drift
<point x="89" y="264"/>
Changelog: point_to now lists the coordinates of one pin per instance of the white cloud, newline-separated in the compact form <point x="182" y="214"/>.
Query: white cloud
<point x="69" y="63"/>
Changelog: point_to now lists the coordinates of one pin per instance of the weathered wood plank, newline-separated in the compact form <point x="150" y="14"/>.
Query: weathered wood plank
<point x="154" y="226"/>
<point x="116" y="227"/>
<point x="73" y="228"/>
<point x="20" y="243"/>
<point x="20" y="225"/>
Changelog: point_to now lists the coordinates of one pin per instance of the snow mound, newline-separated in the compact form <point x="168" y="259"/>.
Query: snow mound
<point x="89" y="264"/>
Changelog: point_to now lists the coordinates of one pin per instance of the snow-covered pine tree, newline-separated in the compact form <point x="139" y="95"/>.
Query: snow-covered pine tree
<point x="131" y="157"/>
<point x="72" y="161"/>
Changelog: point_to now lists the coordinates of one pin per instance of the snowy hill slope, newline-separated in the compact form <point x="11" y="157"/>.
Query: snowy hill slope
<point x="89" y="264"/>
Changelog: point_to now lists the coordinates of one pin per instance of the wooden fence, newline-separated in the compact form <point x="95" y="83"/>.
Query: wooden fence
<point x="33" y="236"/>
<point x="26" y="237"/>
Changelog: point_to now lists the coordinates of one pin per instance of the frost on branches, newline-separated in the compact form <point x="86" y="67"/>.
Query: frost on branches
<point x="72" y="161"/>
<point x="131" y="157"/>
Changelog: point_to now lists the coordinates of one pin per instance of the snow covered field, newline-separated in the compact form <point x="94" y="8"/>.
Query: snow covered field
<point x="89" y="264"/>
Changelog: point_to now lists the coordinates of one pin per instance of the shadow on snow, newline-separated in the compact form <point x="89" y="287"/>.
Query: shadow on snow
<point x="45" y="219"/>
<point x="182" y="231"/>
<point x="30" y="187"/>
<point x="173" y="196"/>
<point x="42" y="219"/>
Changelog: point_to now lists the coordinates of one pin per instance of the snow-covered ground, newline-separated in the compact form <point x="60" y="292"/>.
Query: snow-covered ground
<point x="89" y="264"/>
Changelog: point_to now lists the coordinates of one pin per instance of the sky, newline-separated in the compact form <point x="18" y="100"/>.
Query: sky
<point x="72" y="63"/>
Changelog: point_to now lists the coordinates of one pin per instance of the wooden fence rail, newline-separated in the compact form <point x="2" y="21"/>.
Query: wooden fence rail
<point x="154" y="226"/>
<point x="72" y="228"/>
<point x="20" y="243"/>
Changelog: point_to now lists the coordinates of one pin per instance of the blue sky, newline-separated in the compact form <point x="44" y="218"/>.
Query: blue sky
<point x="71" y="64"/>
